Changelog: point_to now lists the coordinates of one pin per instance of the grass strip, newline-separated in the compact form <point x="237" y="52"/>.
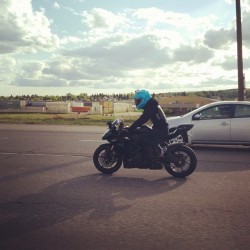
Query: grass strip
<point x="61" y="119"/>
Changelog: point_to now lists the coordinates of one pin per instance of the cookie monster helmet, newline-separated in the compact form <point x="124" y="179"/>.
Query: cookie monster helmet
<point x="141" y="98"/>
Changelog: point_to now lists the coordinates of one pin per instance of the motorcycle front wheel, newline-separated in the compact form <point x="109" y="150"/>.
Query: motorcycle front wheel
<point x="186" y="163"/>
<point x="107" y="160"/>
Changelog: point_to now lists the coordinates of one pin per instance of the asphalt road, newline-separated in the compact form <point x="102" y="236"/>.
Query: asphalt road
<point x="52" y="197"/>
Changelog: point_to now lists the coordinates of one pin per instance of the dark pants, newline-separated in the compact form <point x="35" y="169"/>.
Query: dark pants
<point x="147" y="140"/>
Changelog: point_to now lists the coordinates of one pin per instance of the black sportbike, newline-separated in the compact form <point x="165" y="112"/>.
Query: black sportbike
<point x="177" y="158"/>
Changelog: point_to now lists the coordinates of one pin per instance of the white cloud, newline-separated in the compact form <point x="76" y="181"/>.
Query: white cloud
<point x="70" y="40"/>
<point x="22" y="29"/>
<point x="218" y="39"/>
<point x="198" y="54"/>
<point x="146" y="47"/>
<point x="32" y="69"/>
<point x="44" y="82"/>
<point x="155" y="16"/>
<point x="102" y="19"/>
<point x="182" y="23"/>
<point x="56" y="5"/>
<point x="7" y="66"/>
<point x="245" y="27"/>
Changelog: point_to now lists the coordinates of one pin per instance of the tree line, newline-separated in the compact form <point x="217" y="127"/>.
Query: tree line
<point x="230" y="94"/>
<point x="70" y="97"/>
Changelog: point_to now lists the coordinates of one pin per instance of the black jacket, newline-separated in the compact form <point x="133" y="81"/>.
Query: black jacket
<point x="153" y="112"/>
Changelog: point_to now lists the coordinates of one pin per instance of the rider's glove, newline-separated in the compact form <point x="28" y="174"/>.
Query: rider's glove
<point x="124" y="131"/>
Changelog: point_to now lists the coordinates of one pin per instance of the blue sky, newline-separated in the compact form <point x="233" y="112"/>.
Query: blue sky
<point x="52" y="47"/>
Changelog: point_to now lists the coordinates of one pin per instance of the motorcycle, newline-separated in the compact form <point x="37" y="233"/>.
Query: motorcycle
<point x="176" y="157"/>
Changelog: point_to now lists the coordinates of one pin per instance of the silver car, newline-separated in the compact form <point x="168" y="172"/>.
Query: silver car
<point x="222" y="122"/>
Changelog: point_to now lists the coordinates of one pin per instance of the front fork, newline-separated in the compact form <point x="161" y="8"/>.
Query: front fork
<point x="115" y="149"/>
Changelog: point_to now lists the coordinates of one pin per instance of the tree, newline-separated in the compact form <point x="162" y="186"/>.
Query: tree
<point x="82" y="97"/>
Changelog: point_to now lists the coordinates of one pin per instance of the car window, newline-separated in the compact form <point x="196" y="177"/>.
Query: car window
<point x="216" y="112"/>
<point x="242" y="111"/>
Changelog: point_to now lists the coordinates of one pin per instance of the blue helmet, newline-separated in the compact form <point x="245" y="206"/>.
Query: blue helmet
<point x="141" y="98"/>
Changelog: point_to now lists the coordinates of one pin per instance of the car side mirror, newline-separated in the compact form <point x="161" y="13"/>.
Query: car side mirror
<point x="197" y="117"/>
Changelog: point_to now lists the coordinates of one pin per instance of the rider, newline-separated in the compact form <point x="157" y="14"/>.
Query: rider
<point x="153" y="112"/>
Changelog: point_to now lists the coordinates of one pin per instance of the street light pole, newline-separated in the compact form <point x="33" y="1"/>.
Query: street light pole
<point x="241" y="87"/>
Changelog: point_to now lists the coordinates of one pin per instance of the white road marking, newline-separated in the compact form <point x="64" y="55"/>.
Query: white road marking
<point x="38" y="154"/>
<point x="90" y="140"/>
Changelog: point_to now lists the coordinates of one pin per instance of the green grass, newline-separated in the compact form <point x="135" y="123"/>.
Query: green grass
<point x="60" y="119"/>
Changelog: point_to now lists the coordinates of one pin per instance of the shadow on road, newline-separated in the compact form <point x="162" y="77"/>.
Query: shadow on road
<point x="96" y="197"/>
<point x="35" y="171"/>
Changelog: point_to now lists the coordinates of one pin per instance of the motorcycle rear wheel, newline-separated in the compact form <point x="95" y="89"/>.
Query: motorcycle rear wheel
<point x="106" y="160"/>
<point x="186" y="165"/>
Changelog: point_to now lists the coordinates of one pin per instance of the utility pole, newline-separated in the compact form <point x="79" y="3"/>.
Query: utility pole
<point x="241" y="79"/>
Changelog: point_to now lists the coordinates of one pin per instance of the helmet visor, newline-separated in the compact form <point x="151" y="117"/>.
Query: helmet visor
<point x="137" y="101"/>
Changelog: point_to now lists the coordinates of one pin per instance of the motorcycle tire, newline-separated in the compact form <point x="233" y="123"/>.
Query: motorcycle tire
<point x="106" y="160"/>
<point x="187" y="162"/>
